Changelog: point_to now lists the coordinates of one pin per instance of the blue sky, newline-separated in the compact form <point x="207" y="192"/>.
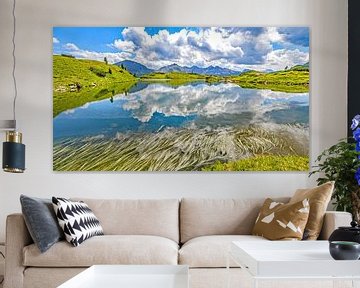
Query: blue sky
<point x="88" y="38"/>
<point x="231" y="47"/>
<point x="98" y="38"/>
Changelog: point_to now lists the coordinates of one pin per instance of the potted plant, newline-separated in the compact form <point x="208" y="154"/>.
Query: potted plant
<point x="341" y="163"/>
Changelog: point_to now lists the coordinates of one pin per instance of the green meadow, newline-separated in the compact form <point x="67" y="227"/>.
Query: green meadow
<point x="263" y="163"/>
<point x="180" y="78"/>
<point x="77" y="82"/>
<point x="294" y="80"/>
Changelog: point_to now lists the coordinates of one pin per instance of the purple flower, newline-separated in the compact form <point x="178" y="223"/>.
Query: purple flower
<point x="356" y="134"/>
<point x="355" y="122"/>
<point x="357" y="176"/>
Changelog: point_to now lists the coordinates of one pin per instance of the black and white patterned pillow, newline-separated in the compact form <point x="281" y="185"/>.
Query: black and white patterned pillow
<point x="77" y="220"/>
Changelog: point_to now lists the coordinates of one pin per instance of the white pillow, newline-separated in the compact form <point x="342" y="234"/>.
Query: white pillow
<point x="76" y="220"/>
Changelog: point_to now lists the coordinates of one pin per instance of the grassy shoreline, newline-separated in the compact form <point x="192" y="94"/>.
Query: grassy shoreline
<point x="79" y="81"/>
<point x="180" y="78"/>
<point x="295" y="81"/>
<point x="263" y="163"/>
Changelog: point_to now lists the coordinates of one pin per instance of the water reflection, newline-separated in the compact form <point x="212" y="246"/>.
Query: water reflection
<point x="149" y="107"/>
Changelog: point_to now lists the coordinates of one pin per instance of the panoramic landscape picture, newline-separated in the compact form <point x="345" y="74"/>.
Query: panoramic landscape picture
<point x="181" y="98"/>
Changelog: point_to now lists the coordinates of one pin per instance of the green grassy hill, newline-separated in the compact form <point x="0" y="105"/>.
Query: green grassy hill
<point x="293" y="80"/>
<point x="69" y="72"/>
<point x="304" y="67"/>
<point x="78" y="81"/>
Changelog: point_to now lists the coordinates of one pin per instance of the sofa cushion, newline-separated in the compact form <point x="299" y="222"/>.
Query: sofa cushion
<point x="35" y="277"/>
<point x="107" y="249"/>
<point x="279" y="221"/>
<point x="76" y="220"/>
<point x="211" y="251"/>
<point x="200" y="217"/>
<point x="158" y="217"/>
<point x="41" y="221"/>
<point x="319" y="198"/>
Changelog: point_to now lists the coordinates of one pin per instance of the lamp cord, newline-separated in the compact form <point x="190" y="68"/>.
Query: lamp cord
<point x="14" y="61"/>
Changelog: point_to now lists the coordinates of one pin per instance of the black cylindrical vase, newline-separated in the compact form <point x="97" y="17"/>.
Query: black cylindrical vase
<point x="13" y="153"/>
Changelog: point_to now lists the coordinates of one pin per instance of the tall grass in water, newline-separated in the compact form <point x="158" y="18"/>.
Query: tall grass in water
<point x="178" y="149"/>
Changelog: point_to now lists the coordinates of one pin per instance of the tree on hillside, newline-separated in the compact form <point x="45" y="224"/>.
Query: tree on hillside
<point x="105" y="60"/>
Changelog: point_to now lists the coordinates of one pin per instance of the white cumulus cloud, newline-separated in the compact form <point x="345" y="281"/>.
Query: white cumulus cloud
<point x="99" y="56"/>
<point x="71" y="47"/>
<point x="279" y="59"/>
<point x="235" y="48"/>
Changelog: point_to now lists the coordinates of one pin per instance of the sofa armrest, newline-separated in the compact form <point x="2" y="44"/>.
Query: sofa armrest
<point x="333" y="220"/>
<point x="17" y="237"/>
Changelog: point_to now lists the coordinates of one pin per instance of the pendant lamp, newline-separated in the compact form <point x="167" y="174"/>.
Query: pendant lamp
<point x="13" y="159"/>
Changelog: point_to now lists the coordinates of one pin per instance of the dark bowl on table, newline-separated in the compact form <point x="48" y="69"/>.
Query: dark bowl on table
<point x="344" y="250"/>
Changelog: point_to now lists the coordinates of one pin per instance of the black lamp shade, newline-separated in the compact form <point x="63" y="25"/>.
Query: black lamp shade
<point x="13" y="157"/>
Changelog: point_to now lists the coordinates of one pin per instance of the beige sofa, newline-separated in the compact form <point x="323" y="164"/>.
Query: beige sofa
<point x="194" y="232"/>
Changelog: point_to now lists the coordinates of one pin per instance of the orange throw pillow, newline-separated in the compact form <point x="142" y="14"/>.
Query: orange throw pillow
<point x="319" y="198"/>
<point x="279" y="221"/>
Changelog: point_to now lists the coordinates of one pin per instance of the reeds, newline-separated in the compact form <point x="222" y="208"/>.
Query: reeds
<point x="178" y="149"/>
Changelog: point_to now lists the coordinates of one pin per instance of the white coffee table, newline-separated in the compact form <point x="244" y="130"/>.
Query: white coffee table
<point x="131" y="276"/>
<point x="292" y="260"/>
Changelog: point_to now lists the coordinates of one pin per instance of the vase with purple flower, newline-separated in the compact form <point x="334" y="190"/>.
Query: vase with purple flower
<point x="341" y="163"/>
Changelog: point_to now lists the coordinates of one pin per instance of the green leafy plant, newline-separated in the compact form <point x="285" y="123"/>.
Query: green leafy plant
<point x="341" y="163"/>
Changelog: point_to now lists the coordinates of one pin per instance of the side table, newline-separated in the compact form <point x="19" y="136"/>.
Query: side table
<point x="132" y="276"/>
<point x="293" y="264"/>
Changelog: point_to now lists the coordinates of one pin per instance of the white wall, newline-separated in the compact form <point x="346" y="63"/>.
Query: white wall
<point x="328" y="25"/>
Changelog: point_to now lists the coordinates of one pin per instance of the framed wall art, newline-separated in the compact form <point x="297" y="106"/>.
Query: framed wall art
<point x="181" y="98"/>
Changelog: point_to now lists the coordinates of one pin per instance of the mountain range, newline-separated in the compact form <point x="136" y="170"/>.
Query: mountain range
<point x="211" y="70"/>
<point x="134" y="67"/>
<point x="140" y="69"/>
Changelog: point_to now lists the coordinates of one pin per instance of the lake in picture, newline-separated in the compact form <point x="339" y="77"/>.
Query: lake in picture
<point x="180" y="99"/>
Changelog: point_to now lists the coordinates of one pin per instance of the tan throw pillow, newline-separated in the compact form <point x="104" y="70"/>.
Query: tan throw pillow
<point x="279" y="221"/>
<point x="319" y="198"/>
